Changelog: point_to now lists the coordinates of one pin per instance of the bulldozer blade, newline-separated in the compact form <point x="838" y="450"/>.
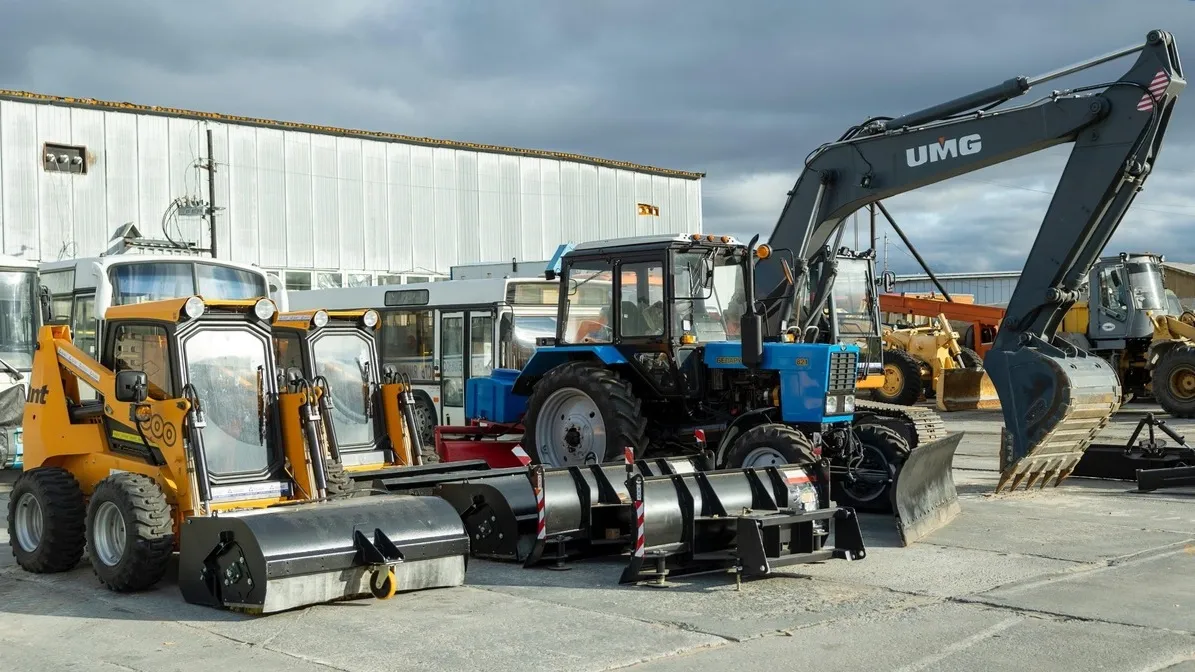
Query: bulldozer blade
<point x="966" y="390"/>
<point x="284" y="557"/>
<point x="1055" y="402"/>
<point x="924" y="498"/>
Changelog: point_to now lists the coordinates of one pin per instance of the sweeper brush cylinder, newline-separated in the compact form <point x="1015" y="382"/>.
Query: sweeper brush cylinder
<point x="283" y="557"/>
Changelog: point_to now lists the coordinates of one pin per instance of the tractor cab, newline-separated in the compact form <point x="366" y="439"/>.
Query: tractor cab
<point x="852" y="311"/>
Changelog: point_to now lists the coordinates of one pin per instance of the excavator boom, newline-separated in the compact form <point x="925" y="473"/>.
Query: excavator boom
<point x="1054" y="396"/>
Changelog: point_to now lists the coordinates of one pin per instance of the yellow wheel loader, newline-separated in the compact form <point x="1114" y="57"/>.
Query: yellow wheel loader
<point x="930" y="361"/>
<point x="190" y="447"/>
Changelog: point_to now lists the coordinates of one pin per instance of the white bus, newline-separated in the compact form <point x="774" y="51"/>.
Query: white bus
<point x="427" y="327"/>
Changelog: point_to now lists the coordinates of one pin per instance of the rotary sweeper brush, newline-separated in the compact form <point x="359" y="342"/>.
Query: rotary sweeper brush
<point x="190" y="447"/>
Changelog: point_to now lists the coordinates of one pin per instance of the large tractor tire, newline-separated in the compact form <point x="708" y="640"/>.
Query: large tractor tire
<point x="884" y="451"/>
<point x="130" y="532"/>
<point x="902" y="379"/>
<point x="1174" y="381"/>
<point x="581" y="413"/>
<point x="46" y="519"/>
<point x="770" y="445"/>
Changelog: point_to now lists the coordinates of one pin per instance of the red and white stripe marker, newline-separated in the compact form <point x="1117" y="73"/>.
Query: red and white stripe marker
<point x="638" y="552"/>
<point x="541" y="527"/>
<point x="521" y="455"/>
<point x="1156" y="88"/>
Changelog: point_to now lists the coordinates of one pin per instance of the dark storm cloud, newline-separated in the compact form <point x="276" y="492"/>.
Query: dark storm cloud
<point x="741" y="90"/>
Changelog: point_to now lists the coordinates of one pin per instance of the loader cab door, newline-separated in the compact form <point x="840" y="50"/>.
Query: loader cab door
<point x="146" y="347"/>
<point x="1121" y="296"/>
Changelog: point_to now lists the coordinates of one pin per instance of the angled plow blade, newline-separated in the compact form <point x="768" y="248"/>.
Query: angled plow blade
<point x="925" y="498"/>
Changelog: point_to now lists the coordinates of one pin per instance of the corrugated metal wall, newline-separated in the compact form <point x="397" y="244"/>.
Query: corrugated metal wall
<point x="993" y="290"/>
<point x="302" y="200"/>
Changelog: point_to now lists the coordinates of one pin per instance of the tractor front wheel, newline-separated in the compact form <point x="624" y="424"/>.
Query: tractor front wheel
<point x="868" y="483"/>
<point x="130" y="532"/>
<point x="581" y="413"/>
<point x="1174" y="381"/>
<point x="770" y="445"/>
<point x="46" y="516"/>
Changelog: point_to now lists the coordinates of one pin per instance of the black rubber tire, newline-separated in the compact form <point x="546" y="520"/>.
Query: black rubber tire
<point x="339" y="482"/>
<point x="791" y="444"/>
<point x="1173" y="360"/>
<point x="885" y="446"/>
<point x="971" y="359"/>
<point x="149" y="529"/>
<point x="909" y="367"/>
<point x="64" y="517"/>
<point x="620" y="409"/>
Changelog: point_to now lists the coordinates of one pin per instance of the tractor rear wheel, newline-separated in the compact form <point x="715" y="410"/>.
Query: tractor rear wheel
<point x="902" y="379"/>
<point x="130" y="532"/>
<point x="770" y="445"/>
<point x="46" y="517"/>
<point x="1174" y="381"/>
<point x="581" y="413"/>
<point x="870" y="486"/>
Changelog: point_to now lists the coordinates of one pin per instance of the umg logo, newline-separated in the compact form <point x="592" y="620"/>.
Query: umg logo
<point x="945" y="148"/>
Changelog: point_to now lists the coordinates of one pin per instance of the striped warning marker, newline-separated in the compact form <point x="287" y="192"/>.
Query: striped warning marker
<point x="1156" y="88"/>
<point x="638" y="552"/>
<point x="521" y="455"/>
<point x="541" y="527"/>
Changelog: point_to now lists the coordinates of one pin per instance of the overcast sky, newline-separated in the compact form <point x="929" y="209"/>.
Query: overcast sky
<point x="742" y="90"/>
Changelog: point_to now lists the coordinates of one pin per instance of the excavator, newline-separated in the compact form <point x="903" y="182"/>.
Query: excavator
<point x="1054" y="396"/>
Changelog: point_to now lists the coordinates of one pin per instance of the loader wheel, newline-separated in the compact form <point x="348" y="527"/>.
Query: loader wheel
<point x="46" y="517"/>
<point x="425" y="425"/>
<point x="130" y="532"/>
<point x="339" y="482"/>
<point x="884" y="450"/>
<point x="1174" y="381"/>
<point x="971" y="359"/>
<point x="770" y="445"/>
<point x="902" y="379"/>
<point x="580" y="414"/>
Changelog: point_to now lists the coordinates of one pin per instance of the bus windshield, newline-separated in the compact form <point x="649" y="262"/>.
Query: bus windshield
<point x="343" y="359"/>
<point x="226" y="367"/>
<point x="17" y="318"/>
<point x="139" y="282"/>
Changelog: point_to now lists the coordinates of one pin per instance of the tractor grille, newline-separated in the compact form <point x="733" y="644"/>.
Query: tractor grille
<point x="843" y="373"/>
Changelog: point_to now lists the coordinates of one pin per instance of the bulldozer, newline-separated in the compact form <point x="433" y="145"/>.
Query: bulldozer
<point x="189" y="447"/>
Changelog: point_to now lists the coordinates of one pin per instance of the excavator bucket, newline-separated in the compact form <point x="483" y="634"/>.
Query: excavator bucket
<point x="924" y="498"/>
<point x="1055" y="402"/>
<point x="965" y="390"/>
<point x="279" y="558"/>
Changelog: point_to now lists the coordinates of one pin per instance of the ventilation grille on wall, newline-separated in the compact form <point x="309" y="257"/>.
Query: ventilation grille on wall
<point x="64" y="158"/>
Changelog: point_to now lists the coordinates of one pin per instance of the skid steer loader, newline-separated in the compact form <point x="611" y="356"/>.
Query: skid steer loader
<point x="190" y="447"/>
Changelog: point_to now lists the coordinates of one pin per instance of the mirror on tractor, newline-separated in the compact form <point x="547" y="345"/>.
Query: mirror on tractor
<point x="132" y="387"/>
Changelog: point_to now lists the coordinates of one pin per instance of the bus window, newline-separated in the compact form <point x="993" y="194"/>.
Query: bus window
<point x="83" y="324"/>
<point x="481" y="346"/>
<point x="228" y="283"/>
<point x="408" y="342"/>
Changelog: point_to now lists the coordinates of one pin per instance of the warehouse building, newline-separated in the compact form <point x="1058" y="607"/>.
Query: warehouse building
<point x="321" y="206"/>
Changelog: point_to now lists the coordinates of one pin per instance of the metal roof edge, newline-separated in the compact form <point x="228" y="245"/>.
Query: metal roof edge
<point x="93" y="103"/>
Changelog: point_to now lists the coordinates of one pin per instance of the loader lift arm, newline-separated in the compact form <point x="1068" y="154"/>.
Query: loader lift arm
<point x="1116" y="127"/>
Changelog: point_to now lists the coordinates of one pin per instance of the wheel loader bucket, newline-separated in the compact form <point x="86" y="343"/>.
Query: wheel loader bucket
<point x="1054" y="403"/>
<point x="924" y="497"/>
<point x="283" y="557"/>
<point x="965" y="390"/>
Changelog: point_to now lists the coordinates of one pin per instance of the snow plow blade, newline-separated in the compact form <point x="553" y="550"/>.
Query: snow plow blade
<point x="750" y="521"/>
<point x="966" y="390"/>
<point x="536" y="514"/>
<point x="1054" y="402"/>
<point x="284" y="557"/>
<point x="924" y="497"/>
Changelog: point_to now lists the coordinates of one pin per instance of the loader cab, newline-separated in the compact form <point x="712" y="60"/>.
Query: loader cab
<point x="1124" y="292"/>
<point x="337" y="347"/>
<point x="220" y="354"/>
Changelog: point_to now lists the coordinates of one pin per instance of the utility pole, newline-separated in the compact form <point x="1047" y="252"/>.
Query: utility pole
<point x="211" y="191"/>
<point x="885" y="251"/>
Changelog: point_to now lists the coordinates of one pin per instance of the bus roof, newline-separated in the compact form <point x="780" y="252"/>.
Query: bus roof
<point x="9" y="263"/>
<point x="482" y="291"/>
<point x="107" y="261"/>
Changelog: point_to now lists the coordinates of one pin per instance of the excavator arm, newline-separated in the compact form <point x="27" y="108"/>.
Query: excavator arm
<point x="1116" y="129"/>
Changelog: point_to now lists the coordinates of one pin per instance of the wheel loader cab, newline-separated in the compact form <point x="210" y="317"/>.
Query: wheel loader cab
<point x="1125" y="292"/>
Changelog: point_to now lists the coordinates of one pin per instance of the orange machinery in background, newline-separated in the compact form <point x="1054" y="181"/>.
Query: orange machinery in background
<point x="983" y="321"/>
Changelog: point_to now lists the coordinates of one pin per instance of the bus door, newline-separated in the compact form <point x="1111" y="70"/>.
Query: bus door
<point x="460" y="330"/>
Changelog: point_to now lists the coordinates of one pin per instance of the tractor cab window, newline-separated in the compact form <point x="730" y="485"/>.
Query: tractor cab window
<point x="642" y="299"/>
<point x="590" y="302"/>
<point x="708" y="294"/>
<point x="853" y="299"/>
<point x="228" y="369"/>
<point x="1145" y="284"/>
<point x="343" y="359"/>
<point x="1114" y="293"/>
<point x="144" y="347"/>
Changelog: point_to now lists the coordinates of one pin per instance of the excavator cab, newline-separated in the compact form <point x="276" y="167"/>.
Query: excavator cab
<point x="190" y="446"/>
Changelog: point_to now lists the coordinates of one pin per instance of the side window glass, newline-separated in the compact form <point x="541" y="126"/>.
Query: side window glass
<point x="1114" y="293"/>
<point x="287" y="352"/>
<point x="83" y="324"/>
<point x="642" y="299"/>
<point x="590" y="302"/>
<point x="407" y="341"/>
<point x="140" y="347"/>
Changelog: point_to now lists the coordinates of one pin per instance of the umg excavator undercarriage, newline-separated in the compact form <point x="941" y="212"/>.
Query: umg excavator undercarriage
<point x="1055" y="397"/>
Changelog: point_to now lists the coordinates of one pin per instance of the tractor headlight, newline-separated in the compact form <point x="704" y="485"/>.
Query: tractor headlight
<point x="193" y="307"/>
<point x="831" y="405"/>
<point x="370" y="318"/>
<point x="848" y="403"/>
<point x="320" y="319"/>
<point x="264" y="309"/>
